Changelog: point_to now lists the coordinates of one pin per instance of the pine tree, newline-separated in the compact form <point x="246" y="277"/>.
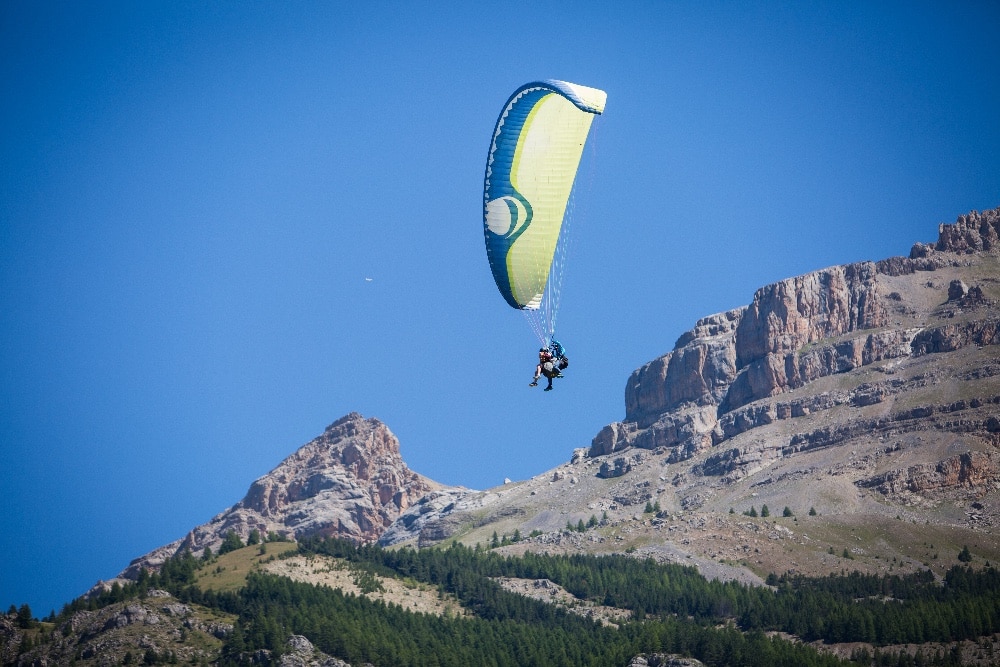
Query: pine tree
<point x="25" y="619"/>
<point x="231" y="542"/>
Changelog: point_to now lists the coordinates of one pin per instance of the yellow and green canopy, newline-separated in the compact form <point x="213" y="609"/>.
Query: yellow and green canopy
<point x="533" y="159"/>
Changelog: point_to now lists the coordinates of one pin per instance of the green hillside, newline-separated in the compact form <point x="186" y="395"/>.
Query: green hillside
<point x="672" y="609"/>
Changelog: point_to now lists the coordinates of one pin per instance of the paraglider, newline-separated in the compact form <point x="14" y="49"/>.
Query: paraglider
<point x="533" y="159"/>
<point x="552" y="361"/>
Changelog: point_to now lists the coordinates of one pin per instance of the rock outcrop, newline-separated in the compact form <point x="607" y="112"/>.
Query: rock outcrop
<point x="302" y="653"/>
<point x="975" y="232"/>
<point x="698" y="372"/>
<point x="147" y="630"/>
<point x="717" y="380"/>
<point x="664" y="660"/>
<point x="350" y="482"/>
<point x="973" y="474"/>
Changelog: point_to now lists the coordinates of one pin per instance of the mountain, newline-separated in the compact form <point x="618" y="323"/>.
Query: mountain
<point x="349" y="482"/>
<point x="862" y="400"/>
<point x="844" y="420"/>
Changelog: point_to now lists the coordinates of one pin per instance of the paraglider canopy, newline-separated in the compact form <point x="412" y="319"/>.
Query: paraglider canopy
<point x="533" y="159"/>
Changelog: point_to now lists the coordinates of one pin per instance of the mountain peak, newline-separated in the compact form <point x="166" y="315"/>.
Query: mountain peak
<point x="349" y="482"/>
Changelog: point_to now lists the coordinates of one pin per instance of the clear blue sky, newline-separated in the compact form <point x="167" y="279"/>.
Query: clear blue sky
<point x="193" y="194"/>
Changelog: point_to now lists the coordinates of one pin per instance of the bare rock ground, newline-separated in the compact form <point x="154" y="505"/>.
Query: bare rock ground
<point x="324" y="571"/>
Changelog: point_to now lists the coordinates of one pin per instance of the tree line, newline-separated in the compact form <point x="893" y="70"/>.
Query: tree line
<point x="882" y="610"/>
<point x="674" y="609"/>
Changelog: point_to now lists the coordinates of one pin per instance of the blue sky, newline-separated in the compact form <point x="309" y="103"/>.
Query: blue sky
<point x="192" y="196"/>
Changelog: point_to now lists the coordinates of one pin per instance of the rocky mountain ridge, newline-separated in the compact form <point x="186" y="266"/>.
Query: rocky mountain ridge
<point x="794" y="332"/>
<point x="867" y="393"/>
<point x="351" y="482"/>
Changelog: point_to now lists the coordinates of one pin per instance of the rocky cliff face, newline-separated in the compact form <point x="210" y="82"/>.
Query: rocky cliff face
<point x="795" y="332"/>
<point x="349" y="482"/>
